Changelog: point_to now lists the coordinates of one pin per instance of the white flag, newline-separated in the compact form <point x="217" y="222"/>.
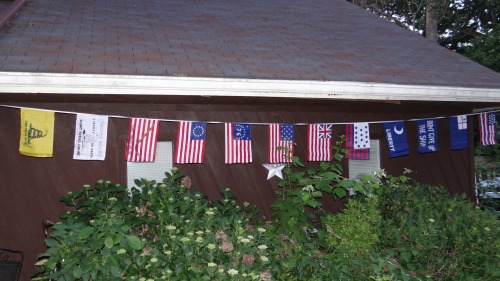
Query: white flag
<point x="91" y="135"/>
<point x="361" y="136"/>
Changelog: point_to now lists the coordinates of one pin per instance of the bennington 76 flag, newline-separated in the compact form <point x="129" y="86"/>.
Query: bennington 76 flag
<point x="238" y="143"/>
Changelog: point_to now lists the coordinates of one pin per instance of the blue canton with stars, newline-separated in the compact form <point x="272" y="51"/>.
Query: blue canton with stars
<point x="198" y="130"/>
<point x="241" y="131"/>
<point x="286" y="132"/>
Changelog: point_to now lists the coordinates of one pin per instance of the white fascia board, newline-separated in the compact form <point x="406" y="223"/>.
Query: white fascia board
<point x="99" y="84"/>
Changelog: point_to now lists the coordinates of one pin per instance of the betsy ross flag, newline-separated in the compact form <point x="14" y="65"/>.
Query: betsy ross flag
<point x="190" y="146"/>
<point x="280" y="135"/>
<point x="142" y="140"/>
<point x="458" y="132"/>
<point x="319" y="142"/>
<point x="238" y="143"/>
<point x="487" y="128"/>
<point x="358" y="141"/>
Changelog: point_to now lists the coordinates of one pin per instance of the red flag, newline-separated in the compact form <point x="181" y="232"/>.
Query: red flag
<point x="142" y="139"/>
<point x="319" y="142"/>
<point x="238" y="143"/>
<point x="488" y="132"/>
<point x="358" y="141"/>
<point x="280" y="135"/>
<point x="190" y="146"/>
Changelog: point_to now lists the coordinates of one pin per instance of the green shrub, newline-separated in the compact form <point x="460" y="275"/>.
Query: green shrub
<point x="356" y="229"/>
<point x="438" y="236"/>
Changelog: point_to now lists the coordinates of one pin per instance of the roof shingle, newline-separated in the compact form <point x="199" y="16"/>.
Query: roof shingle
<point x="323" y="40"/>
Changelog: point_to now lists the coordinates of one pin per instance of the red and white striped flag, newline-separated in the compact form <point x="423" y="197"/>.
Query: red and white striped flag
<point x="488" y="130"/>
<point x="319" y="142"/>
<point x="238" y="143"/>
<point x="142" y="140"/>
<point x="280" y="135"/>
<point x="190" y="146"/>
<point x="358" y="141"/>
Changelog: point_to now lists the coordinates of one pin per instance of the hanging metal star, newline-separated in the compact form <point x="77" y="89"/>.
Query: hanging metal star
<point x="274" y="170"/>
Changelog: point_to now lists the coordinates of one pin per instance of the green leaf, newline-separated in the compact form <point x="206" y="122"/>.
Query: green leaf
<point x="50" y="242"/>
<point x="85" y="232"/>
<point x="324" y="165"/>
<point x="406" y="256"/>
<point x="116" y="272"/>
<point x="108" y="242"/>
<point x="134" y="242"/>
<point x="305" y="196"/>
<point x="77" y="272"/>
<point x="66" y="201"/>
<point x="340" y="192"/>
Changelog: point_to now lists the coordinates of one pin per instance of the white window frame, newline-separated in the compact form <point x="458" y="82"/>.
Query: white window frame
<point x="152" y="170"/>
<point x="362" y="167"/>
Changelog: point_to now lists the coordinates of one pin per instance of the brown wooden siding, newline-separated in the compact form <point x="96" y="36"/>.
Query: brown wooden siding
<point x="30" y="187"/>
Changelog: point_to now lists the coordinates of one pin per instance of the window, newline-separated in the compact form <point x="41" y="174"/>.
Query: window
<point x="152" y="170"/>
<point x="360" y="167"/>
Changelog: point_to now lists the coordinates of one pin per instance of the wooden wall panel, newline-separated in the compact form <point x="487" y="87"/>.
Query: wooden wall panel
<point x="30" y="187"/>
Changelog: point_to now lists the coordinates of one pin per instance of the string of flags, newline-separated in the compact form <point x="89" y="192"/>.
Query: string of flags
<point x="37" y="137"/>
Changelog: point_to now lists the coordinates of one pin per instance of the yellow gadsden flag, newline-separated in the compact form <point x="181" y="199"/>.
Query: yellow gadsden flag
<point x="37" y="133"/>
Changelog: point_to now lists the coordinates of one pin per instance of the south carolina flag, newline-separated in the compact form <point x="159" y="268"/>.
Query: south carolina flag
<point x="280" y="135"/>
<point x="395" y="135"/>
<point x="319" y="142"/>
<point x="190" y="146"/>
<point x="358" y="141"/>
<point x="487" y="128"/>
<point x="142" y="140"/>
<point x="458" y="132"/>
<point x="37" y="133"/>
<point x="238" y="143"/>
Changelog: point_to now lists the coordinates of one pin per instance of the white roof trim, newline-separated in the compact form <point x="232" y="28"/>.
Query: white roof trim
<point x="98" y="84"/>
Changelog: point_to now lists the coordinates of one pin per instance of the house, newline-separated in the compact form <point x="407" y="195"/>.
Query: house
<point x="259" y="62"/>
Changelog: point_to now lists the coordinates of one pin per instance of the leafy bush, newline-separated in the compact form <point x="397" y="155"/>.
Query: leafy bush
<point x="167" y="231"/>
<point x="163" y="232"/>
<point x="393" y="229"/>
<point x="439" y="236"/>
<point x="356" y="229"/>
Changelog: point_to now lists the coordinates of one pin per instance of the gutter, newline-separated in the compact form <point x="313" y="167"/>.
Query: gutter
<point x="133" y="85"/>
<point x="10" y="11"/>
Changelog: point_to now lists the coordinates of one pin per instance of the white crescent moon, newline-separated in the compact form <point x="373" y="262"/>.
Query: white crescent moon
<point x="399" y="132"/>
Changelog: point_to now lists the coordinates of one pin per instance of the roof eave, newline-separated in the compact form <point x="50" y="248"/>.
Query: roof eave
<point x="101" y="84"/>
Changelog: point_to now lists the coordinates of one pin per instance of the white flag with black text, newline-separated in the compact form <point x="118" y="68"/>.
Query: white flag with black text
<point x="91" y="135"/>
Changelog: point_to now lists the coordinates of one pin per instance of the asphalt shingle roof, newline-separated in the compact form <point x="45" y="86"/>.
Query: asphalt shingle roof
<point x="323" y="40"/>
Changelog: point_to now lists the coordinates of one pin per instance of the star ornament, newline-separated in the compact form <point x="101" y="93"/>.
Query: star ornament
<point x="274" y="170"/>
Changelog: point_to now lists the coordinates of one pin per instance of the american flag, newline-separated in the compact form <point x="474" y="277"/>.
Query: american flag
<point x="487" y="125"/>
<point x="190" y="146"/>
<point x="280" y="135"/>
<point x="358" y="141"/>
<point x="142" y="140"/>
<point x="319" y="142"/>
<point x="238" y="143"/>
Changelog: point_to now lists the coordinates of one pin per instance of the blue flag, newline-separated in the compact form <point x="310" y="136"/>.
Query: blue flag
<point x="427" y="136"/>
<point x="395" y="135"/>
<point x="458" y="132"/>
